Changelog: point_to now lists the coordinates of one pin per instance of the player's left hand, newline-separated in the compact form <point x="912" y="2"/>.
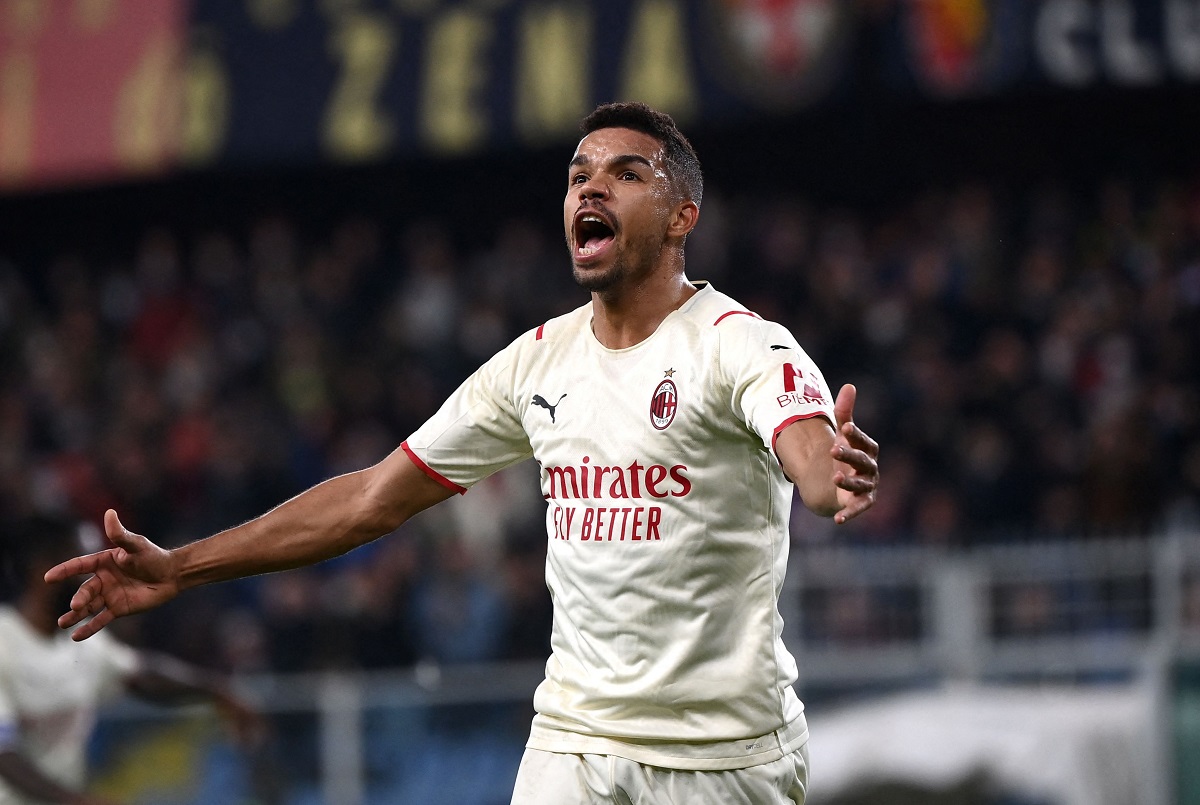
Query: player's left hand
<point x="858" y="481"/>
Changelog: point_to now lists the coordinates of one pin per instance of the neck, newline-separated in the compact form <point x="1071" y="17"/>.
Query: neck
<point x="622" y="317"/>
<point x="38" y="612"/>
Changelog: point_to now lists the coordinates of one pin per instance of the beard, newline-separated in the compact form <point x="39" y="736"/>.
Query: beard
<point x="635" y="261"/>
<point x="599" y="280"/>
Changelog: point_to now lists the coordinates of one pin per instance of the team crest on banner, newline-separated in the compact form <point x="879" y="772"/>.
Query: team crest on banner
<point x="958" y="47"/>
<point x="663" y="404"/>
<point x="780" y="53"/>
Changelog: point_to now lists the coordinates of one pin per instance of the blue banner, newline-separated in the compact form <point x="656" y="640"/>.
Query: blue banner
<point x="254" y="82"/>
<point x="355" y="81"/>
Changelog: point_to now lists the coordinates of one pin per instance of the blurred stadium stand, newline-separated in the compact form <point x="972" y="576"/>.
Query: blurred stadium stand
<point x="229" y="269"/>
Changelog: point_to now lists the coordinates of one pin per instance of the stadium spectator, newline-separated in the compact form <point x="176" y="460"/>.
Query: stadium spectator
<point x="1063" y="322"/>
<point x="51" y="687"/>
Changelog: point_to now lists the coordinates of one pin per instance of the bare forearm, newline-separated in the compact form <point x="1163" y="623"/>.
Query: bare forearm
<point x="804" y="449"/>
<point x="331" y="518"/>
<point x="816" y="486"/>
<point x="837" y="472"/>
<point x="328" y="520"/>
<point x="166" y="680"/>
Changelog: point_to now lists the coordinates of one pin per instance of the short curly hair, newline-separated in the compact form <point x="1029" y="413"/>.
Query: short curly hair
<point x="682" y="162"/>
<point x="34" y="542"/>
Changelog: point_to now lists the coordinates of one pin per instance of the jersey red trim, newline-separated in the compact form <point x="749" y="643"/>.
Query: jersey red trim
<point x="431" y="472"/>
<point x="724" y="316"/>
<point x="541" y="329"/>
<point x="789" y="421"/>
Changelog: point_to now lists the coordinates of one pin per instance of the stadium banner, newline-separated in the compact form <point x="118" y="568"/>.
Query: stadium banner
<point x="959" y="48"/>
<point x="88" y="89"/>
<point x="101" y="88"/>
<point x="356" y="81"/>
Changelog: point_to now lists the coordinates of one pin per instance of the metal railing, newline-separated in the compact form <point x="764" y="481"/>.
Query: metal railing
<point x="856" y="617"/>
<point x="1062" y="610"/>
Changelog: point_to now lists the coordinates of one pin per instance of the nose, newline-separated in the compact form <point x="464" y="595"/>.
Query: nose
<point x="593" y="188"/>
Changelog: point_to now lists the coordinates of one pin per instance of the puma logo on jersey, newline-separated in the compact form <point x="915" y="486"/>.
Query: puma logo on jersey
<point x="540" y="401"/>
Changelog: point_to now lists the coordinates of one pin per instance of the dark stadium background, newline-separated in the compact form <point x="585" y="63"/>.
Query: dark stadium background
<point x="867" y="152"/>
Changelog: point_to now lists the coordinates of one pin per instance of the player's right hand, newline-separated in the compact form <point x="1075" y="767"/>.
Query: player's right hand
<point x="133" y="576"/>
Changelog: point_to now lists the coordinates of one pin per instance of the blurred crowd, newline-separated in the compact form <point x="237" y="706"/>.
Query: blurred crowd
<point x="1030" y="362"/>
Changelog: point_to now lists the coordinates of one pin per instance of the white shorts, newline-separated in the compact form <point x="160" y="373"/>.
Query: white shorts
<point x="553" y="778"/>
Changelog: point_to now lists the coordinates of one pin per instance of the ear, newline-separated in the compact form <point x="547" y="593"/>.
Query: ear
<point x="687" y="214"/>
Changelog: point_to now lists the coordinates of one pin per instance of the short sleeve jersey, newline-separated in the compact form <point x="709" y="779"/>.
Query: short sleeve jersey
<point x="667" y="517"/>
<point x="50" y="689"/>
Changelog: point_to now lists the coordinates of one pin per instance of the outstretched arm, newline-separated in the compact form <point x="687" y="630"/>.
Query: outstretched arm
<point x="837" y="473"/>
<point x="162" y="679"/>
<point x="328" y="520"/>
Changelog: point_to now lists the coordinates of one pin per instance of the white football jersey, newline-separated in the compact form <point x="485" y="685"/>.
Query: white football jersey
<point x="667" y="516"/>
<point x="50" y="689"/>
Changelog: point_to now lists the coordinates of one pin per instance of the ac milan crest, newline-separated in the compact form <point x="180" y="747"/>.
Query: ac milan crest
<point x="663" y="404"/>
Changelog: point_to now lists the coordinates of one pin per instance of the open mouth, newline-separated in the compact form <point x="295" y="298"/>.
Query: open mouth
<point x="592" y="234"/>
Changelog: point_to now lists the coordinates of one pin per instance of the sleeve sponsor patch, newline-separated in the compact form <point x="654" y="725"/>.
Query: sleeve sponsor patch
<point x="799" y="389"/>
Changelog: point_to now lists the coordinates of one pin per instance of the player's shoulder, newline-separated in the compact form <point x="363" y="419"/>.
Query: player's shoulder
<point x="105" y="650"/>
<point x="15" y="635"/>
<point x="531" y="343"/>
<point x="10" y="619"/>
<point x="9" y="648"/>
<point x="539" y="347"/>
<point x="732" y="321"/>
<point x="712" y="308"/>
<point x="558" y="329"/>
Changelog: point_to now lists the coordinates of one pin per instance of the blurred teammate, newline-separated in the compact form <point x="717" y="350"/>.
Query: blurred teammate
<point x="667" y="420"/>
<point x="50" y="687"/>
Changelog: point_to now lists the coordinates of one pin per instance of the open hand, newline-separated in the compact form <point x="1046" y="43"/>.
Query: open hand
<point x="858" y="482"/>
<point x="133" y="576"/>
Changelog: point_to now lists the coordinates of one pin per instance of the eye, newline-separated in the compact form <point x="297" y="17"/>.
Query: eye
<point x="579" y="178"/>
<point x="630" y="176"/>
